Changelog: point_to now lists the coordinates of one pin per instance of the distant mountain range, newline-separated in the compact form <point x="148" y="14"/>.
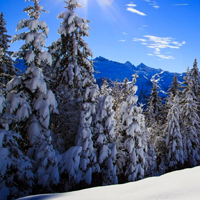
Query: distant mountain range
<point x="118" y="71"/>
<point x="112" y="70"/>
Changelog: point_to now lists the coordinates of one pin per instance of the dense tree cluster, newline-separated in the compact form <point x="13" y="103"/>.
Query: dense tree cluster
<point x="60" y="132"/>
<point x="176" y="140"/>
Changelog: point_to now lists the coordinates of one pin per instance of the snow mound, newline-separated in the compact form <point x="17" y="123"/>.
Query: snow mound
<point x="179" y="185"/>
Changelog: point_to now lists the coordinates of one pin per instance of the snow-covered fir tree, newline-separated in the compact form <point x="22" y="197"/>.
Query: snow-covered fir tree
<point x="16" y="176"/>
<point x="174" y="88"/>
<point x="190" y="125"/>
<point x="73" y="70"/>
<point x="104" y="140"/>
<point x="172" y="92"/>
<point x="154" y="110"/>
<point x="105" y="88"/>
<point x="195" y="79"/>
<point x="7" y="70"/>
<point x="174" y="140"/>
<point x="76" y="90"/>
<point x="31" y="101"/>
<point x="116" y="94"/>
<point x="186" y="82"/>
<point x="132" y="150"/>
<point x="84" y="137"/>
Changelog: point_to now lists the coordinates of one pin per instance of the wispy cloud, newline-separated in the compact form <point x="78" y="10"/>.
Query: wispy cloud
<point x="133" y="10"/>
<point x="184" y="4"/>
<point x="139" y="39"/>
<point x="122" y="40"/>
<point x="153" y="3"/>
<point x="165" y="57"/>
<point x="159" y="43"/>
<point x="124" y="33"/>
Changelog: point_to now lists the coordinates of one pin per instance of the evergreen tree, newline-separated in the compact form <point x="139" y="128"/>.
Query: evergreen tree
<point x="174" y="88"/>
<point x="195" y="79"/>
<point x="154" y="110"/>
<point x="131" y="152"/>
<point x="84" y="137"/>
<point x="104" y="136"/>
<point x="190" y="126"/>
<point x="116" y="94"/>
<point x="76" y="90"/>
<point x="174" y="140"/>
<point x="32" y="102"/>
<point x="172" y="92"/>
<point x="7" y="69"/>
<point x="186" y="82"/>
<point x="105" y="88"/>
<point x="16" y="176"/>
<point x="73" y="71"/>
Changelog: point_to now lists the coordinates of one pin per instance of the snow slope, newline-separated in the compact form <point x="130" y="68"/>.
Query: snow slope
<point x="179" y="185"/>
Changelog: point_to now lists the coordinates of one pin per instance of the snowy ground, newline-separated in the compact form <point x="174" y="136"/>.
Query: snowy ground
<point x="179" y="185"/>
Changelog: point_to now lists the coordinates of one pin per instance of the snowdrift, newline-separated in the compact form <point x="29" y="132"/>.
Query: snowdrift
<point x="178" y="185"/>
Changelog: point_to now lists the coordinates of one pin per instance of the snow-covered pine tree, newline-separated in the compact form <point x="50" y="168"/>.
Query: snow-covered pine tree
<point x="105" y="88"/>
<point x="104" y="136"/>
<point x="172" y="92"/>
<point x="154" y="109"/>
<point x="186" y="82"/>
<point x="126" y="89"/>
<point x="73" y="70"/>
<point x="142" y="140"/>
<point x="174" y="88"/>
<point x="150" y="115"/>
<point x="173" y="136"/>
<point x="195" y="79"/>
<point x="16" y="176"/>
<point x="116" y="94"/>
<point x="84" y="137"/>
<point x="31" y="101"/>
<point x="190" y="124"/>
<point x="7" y="70"/>
<point x="76" y="92"/>
<point x="131" y="153"/>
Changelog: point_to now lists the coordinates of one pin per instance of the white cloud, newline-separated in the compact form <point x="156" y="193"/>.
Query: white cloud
<point x="153" y="3"/>
<point x="131" y="5"/>
<point x="184" y="4"/>
<point x="122" y="40"/>
<point x="159" y="43"/>
<point x="139" y="39"/>
<point x="133" y="10"/>
<point x="165" y="57"/>
<point x="157" y="51"/>
<point x="124" y="33"/>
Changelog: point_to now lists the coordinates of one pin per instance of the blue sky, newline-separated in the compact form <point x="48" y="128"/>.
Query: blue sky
<point x="161" y="34"/>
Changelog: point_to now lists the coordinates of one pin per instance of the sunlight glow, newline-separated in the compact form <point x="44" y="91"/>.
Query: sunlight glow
<point x="105" y="2"/>
<point x="84" y="2"/>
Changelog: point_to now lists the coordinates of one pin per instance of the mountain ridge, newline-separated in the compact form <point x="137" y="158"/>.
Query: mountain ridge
<point x="113" y="70"/>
